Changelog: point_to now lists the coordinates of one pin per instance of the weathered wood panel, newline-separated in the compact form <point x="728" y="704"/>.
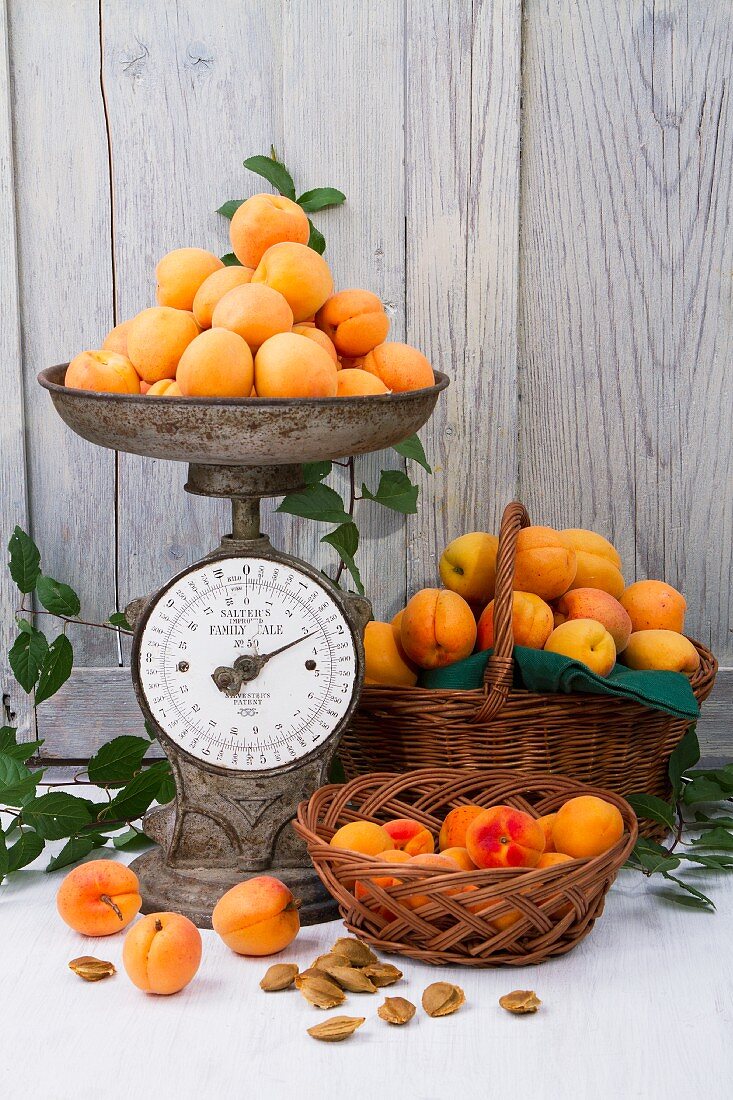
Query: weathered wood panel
<point x="625" y="288"/>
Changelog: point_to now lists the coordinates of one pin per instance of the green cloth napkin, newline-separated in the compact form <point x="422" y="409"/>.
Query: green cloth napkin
<point x="536" y="670"/>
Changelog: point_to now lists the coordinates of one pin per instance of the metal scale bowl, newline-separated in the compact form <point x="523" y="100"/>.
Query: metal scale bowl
<point x="249" y="663"/>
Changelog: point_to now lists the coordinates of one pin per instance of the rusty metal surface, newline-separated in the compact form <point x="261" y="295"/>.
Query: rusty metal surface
<point x="241" y="432"/>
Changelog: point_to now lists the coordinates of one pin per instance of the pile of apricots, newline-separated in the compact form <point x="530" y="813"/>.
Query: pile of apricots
<point x="272" y="327"/>
<point x="475" y="838"/>
<point x="162" y="951"/>
<point x="569" y="597"/>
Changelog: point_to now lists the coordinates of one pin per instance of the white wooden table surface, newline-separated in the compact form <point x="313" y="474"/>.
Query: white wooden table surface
<point x="642" y="1008"/>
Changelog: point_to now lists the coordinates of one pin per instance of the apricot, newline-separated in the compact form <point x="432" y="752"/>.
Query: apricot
<point x="455" y="824"/>
<point x="161" y="388"/>
<point x="254" y="312"/>
<point x="545" y="562"/>
<point x="598" y="564"/>
<point x="365" y="837"/>
<point x="264" y="220"/>
<point x="299" y="274"/>
<point x="461" y="857"/>
<point x="661" y="649"/>
<point x="468" y="566"/>
<point x="434" y="863"/>
<point x="385" y="660"/>
<point x="116" y="338"/>
<point x="587" y="826"/>
<point x="438" y="628"/>
<point x="595" y="603"/>
<point x="103" y="371"/>
<point x="99" y="898"/>
<point x="257" y="917"/>
<point x="654" y="605"/>
<point x="410" y="836"/>
<point x="310" y="331"/>
<point x="584" y="640"/>
<point x="504" y="837"/>
<point x="213" y="289"/>
<point x="218" y="363"/>
<point x="348" y="362"/>
<point x="546" y="822"/>
<point x="174" y="390"/>
<point x="361" y="892"/>
<point x="396" y="624"/>
<point x="358" y="383"/>
<point x="288" y="365"/>
<point x="162" y="953"/>
<point x="400" y="367"/>
<point x="180" y="274"/>
<point x="552" y="859"/>
<point x="532" y="622"/>
<point x="156" y="340"/>
<point x="355" y="320"/>
<point x="145" y="386"/>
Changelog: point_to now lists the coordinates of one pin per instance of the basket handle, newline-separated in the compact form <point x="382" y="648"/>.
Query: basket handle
<point x="498" y="672"/>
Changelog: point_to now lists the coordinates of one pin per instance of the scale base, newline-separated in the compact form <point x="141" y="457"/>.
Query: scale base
<point x="195" y="891"/>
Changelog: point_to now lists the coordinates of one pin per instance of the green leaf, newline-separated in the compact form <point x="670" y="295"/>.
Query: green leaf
<point x="3" y="856"/>
<point x="702" y="899"/>
<point x="321" y="197"/>
<point x="135" y="798"/>
<point x="229" y="208"/>
<point x="702" y="821"/>
<point x="26" y="657"/>
<point x="117" y="761"/>
<point x="649" y="806"/>
<point x="413" y="449"/>
<point x="24" y="625"/>
<point x="230" y="260"/>
<point x="316" y="240"/>
<point x="167" y="791"/>
<point x="274" y="172"/>
<point x="722" y="776"/>
<point x="117" y="618"/>
<point x="717" y="862"/>
<point x="653" y="857"/>
<point x="395" y="491"/>
<point x="56" y="815"/>
<point x="703" y="790"/>
<point x="27" y="847"/>
<point x="131" y="840"/>
<point x="318" y="502"/>
<point x="56" y="668"/>
<point x="57" y="597"/>
<point x="10" y="746"/>
<point x="74" y="850"/>
<point x="684" y="899"/>
<point x="684" y="757"/>
<point x="345" y="541"/>
<point x="17" y="782"/>
<point x="313" y="472"/>
<point x="25" y="560"/>
<point x="716" y="838"/>
<point x="150" y="731"/>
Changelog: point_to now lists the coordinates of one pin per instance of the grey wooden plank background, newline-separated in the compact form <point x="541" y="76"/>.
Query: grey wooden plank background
<point x="569" y="263"/>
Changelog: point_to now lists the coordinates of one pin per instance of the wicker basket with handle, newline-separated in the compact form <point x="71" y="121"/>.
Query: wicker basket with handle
<point x="609" y="742"/>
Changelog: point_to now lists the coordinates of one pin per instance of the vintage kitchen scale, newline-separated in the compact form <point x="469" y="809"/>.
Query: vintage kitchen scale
<point x="248" y="664"/>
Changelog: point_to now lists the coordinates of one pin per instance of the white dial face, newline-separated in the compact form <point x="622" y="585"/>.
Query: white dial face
<point x="264" y="622"/>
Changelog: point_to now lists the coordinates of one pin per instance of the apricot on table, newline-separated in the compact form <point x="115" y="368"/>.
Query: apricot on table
<point x="116" y="338"/>
<point x="455" y="824"/>
<point x="545" y="562"/>
<point x="597" y="560"/>
<point x="365" y="837"/>
<point x="504" y="837"/>
<point x="299" y="274"/>
<point x="400" y="367"/>
<point x="437" y="628"/>
<point x="180" y="274"/>
<point x="385" y="660"/>
<point x="156" y="340"/>
<point x="254" y="312"/>
<point x="587" y="826"/>
<point x="358" y="383"/>
<point x="264" y="220"/>
<point x="288" y="365"/>
<point x="213" y="289"/>
<point x="102" y="371"/>
<point x="654" y="605"/>
<point x="257" y="917"/>
<point x="310" y="331"/>
<point x="162" y="953"/>
<point x="532" y="622"/>
<point x="468" y="566"/>
<point x="584" y="640"/>
<point x="410" y="836"/>
<point x="595" y="603"/>
<point x="218" y="363"/>
<point x="99" y="898"/>
<point x="664" y="650"/>
<point x="355" y="320"/>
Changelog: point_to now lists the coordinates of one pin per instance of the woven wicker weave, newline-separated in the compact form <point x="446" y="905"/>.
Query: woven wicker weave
<point x="612" y="743"/>
<point x="558" y="905"/>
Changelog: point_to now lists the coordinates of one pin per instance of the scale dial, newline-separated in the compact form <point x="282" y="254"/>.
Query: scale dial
<point x="247" y="664"/>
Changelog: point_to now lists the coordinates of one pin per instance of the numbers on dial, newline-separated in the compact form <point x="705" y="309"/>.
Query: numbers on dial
<point x="224" y="610"/>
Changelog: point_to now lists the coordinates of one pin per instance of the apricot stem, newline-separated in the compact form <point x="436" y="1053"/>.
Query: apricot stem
<point x="108" y="901"/>
<point x="158" y="926"/>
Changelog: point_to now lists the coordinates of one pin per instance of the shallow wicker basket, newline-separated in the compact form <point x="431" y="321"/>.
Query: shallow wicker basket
<point x="558" y="905"/>
<point x="610" y="742"/>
